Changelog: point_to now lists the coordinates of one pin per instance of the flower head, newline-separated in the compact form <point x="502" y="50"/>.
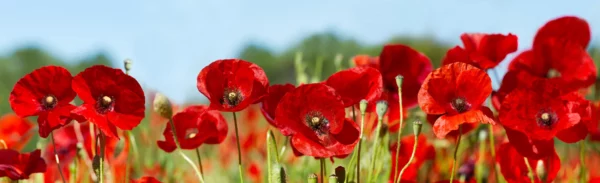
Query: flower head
<point x="313" y="114"/>
<point x="514" y="169"/>
<point x="232" y="84"/>
<point x="355" y="84"/>
<point x="484" y="51"/>
<point x="18" y="166"/>
<point x="110" y="99"/>
<point x="46" y="92"/>
<point x="450" y="92"/>
<point x="14" y="131"/>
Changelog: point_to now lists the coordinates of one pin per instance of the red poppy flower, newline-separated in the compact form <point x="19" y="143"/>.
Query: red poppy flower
<point x="355" y="84"/>
<point x="586" y="124"/>
<point x="314" y="115"/>
<point x="18" y="166"/>
<point x="194" y="126"/>
<point x="540" y="112"/>
<point x="110" y="98"/>
<point x="566" y="28"/>
<point x="512" y="80"/>
<point x="46" y="92"/>
<point x="424" y="152"/>
<point x="269" y="103"/>
<point x="528" y="147"/>
<point x="255" y="172"/>
<point x="232" y="84"/>
<point x="145" y="179"/>
<point x="484" y="51"/>
<point x="467" y="127"/>
<point x="14" y="131"/>
<point x="514" y="169"/>
<point x="448" y="91"/>
<point x="412" y="65"/>
<point x="366" y="61"/>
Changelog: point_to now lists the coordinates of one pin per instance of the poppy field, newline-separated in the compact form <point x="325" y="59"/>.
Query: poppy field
<point x="392" y="117"/>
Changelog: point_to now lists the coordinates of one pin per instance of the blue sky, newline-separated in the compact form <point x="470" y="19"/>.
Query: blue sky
<point x="170" y="41"/>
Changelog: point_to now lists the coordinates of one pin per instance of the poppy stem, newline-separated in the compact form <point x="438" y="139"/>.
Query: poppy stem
<point x="322" y="170"/>
<point x="455" y="153"/>
<point x="363" y="106"/>
<point x="186" y="158"/>
<point x="199" y="160"/>
<point x="399" y="80"/>
<point x="56" y="157"/>
<point x="353" y="114"/>
<point x="237" y="138"/>
<point x="530" y="171"/>
<point x="582" y="170"/>
<point x="412" y="156"/>
<point x="101" y="153"/>
<point x="375" y="148"/>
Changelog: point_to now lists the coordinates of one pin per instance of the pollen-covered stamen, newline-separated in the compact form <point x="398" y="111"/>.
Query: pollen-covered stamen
<point x="104" y="104"/>
<point x="49" y="102"/>
<point x="546" y="119"/>
<point x="317" y="122"/>
<point x="460" y="105"/>
<point x="231" y="97"/>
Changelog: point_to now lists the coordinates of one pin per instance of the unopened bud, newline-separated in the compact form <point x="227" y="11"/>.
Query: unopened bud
<point x="417" y="127"/>
<point x="313" y="178"/>
<point x="381" y="109"/>
<point x="163" y="106"/>
<point x="399" y="79"/>
<point x="363" y="106"/>
<point x="540" y="170"/>
<point x="127" y="65"/>
<point x="482" y="135"/>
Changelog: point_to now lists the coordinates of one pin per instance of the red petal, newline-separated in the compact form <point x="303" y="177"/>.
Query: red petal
<point x="568" y="28"/>
<point x="269" y="104"/>
<point x="349" y="134"/>
<point x="357" y="83"/>
<point x="447" y="123"/>
<point x="528" y="147"/>
<point x="101" y="121"/>
<point x="456" y="54"/>
<point x="366" y="60"/>
<point x="488" y="50"/>
<point x="513" y="168"/>
<point x="15" y="131"/>
<point x="18" y="166"/>
<point x="412" y="65"/>
<point x="32" y="88"/>
<point x="573" y="134"/>
<point x="145" y="179"/>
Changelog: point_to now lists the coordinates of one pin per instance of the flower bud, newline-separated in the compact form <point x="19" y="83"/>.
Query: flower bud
<point x="417" y="127"/>
<point x="313" y="178"/>
<point x="381" y="108"/>
<point x="163" y="106"/>
<point x="363" y="106"/>
<point x="127" y="65"/>
<point x="399" y="79"/>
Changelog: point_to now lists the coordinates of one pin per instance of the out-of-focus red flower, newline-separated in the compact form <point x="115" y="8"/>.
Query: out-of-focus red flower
<point x="269" y="103"/>
<point x="564" y="29"/>
<point x="586" y="124"/>
<point x="448" y="91"/>
<point x="255" y="172"/>
<point x="514" y="169"/>
<point x="355" y="84"/>
<point x="145" y="179"/>
<point x="484" y="51"/>
<point x="194" y="126"/>
<point x="232" y="84"/>
<point x="46" y="92"/>
<point x="527" y="147"/>
<point x="314" y="116"/>
<point x="540" y="111"/>
<point x="412" y="65"/>
<point x="110" y="98"/>
<point x="366" y="61"/>
<point x="594" y="180"/>
<point x="14" y="131"/>
<point x="424" y="152"/>
<point x="18" y="166"/>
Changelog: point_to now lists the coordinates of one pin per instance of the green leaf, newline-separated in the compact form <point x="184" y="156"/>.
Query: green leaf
<point x="275" y="171"/>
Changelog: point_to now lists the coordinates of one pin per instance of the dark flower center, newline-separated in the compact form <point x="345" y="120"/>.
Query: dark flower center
<point x="105" y="104"/>
<point x="49" y="102"/>
<point x="546" y="119"/>
<point x="460" y="105"/>
<point x="317" y="122"/>
<point x="553" y="73"/>
<point x="231" y="97"/>
<point x="191" y="133"/>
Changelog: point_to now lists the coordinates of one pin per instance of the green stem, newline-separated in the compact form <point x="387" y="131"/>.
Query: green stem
<point x="375" y="147"/>
<point x="186" y="158"/>
<point x="360" y="140"/>
<point x="237" y="138"/>
<point x="480" y="161"/>
<point x="454" y="164"/>
<point x="283" y="148"/>
<point x="199" y="160"/>
<point x="56" y="157"/>
<point x="530" y="171"/>
<point x="398" y="144"/>
<point x="582" y="176"/>
<point x="102" y="149"/>
<point x="493" y="151"/>
<point x="322" y="170"/>
<point x="412" y="156"/>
